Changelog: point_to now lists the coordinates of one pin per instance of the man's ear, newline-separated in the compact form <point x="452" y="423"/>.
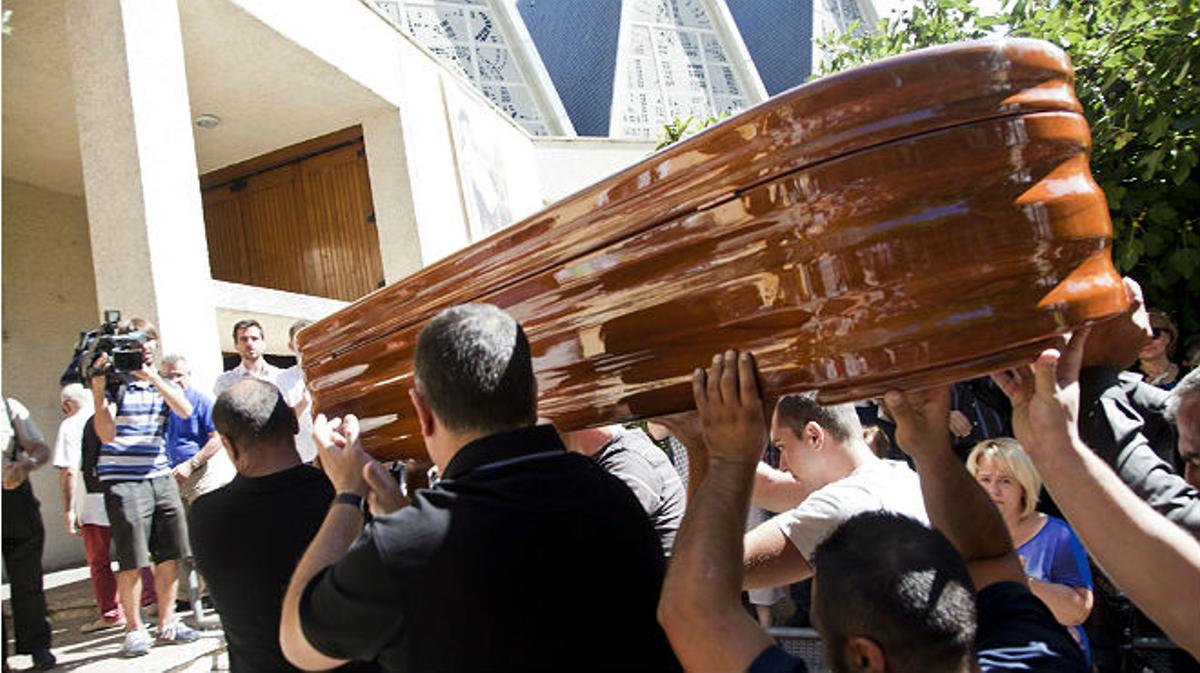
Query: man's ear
<point x="234" y="454"/>
<point x="864" y="654"/>
<point x="814" y="431"/>
<point x="424" y="412"/>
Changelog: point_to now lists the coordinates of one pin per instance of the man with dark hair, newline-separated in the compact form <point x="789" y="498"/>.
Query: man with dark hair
<point x="903" y="583"/>
<point x="888" y="595"/>
<point x="823" y="449"/>
<point x="249" y="534"/>
<point x="472" y="574"/>
<point x="140" y="495"/>
<point x="250" y="344"/>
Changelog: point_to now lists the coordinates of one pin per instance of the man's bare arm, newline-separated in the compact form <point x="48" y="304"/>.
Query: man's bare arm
<point x="700" y="607"/>
<point x="776" y="490"/>
<point x="956" y="504"/>
<point x="341" y="527"/>
<point x="1153" y="561"/>
<point x="66" y="484"/>
<point x="343" y="460"/>
<point x="172" y="394"/>
<point x="770" y="559"/>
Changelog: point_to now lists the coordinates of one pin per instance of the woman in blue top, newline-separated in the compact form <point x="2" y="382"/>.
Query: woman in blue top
<point x="1054" y="559"/>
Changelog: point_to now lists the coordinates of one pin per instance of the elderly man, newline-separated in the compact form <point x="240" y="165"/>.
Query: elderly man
<point x="471" y="575"/>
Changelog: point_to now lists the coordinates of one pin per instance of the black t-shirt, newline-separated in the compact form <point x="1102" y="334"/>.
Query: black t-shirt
<point x="1015" y="631"/>
<point x="522" y="558"/>
<point x="247" y="538"/>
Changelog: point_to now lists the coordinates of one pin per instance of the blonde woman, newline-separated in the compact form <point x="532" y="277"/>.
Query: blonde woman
<point x="1054" y="559"/>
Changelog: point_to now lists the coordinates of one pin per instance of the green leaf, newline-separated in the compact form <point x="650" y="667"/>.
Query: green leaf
<point x="1130" y="253"/>
<point x="1153" y="244"/>
<point x="1162" y="213"/>
<point x="1184" y="261"/>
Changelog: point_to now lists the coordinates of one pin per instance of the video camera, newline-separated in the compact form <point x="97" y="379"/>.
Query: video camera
<point x="124" y="351"/>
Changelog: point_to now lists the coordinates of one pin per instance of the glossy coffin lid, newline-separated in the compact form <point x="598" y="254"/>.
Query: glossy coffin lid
<point x="921" y="219"/>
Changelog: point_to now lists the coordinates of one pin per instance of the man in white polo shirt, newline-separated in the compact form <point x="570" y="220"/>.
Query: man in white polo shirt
<point x="249" y="342"/>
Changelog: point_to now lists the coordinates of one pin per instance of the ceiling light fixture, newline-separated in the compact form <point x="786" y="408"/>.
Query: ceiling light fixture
<point x="207" y="121"/>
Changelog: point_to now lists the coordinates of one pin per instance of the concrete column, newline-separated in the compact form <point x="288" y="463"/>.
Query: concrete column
<point x="145" y="217"/>
<point x="392" y="194"/>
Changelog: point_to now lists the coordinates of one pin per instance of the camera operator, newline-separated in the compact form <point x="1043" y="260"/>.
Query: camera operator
<point x="140" y="493"/>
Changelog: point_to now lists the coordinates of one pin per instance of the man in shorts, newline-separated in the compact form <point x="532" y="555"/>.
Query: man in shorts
<point x="140" y="493"/>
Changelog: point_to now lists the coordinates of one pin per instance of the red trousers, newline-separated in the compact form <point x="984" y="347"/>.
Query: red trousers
<point x="96" y="543"/>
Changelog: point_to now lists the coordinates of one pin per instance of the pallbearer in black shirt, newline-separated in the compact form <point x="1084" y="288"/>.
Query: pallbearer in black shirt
<point x="522" y="558"/>
<point x="248" y="535"/>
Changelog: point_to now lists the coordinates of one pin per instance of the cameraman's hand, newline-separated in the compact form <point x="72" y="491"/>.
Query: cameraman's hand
<point x="99" y="368"/>
<point x="731" y="408"/>
<point x="342" y="457"/>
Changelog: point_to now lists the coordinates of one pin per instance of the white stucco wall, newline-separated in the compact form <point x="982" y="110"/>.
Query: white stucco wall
<point x="49" y="296"/>
<point x="566" y="165"/>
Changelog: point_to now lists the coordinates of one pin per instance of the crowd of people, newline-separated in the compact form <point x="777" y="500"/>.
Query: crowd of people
<point x="957" y="528"/>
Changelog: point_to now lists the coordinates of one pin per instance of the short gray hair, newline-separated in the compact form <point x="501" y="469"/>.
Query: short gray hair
<point x="75" y="392"/>
<point x="1187" y="386"/>
<point x="175" y="359"/>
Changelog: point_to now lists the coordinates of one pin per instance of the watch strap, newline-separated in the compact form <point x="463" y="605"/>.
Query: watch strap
<point x="349" y="498"/>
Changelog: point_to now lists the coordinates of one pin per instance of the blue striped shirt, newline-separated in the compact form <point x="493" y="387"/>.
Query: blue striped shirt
<point x="139" y="450"/>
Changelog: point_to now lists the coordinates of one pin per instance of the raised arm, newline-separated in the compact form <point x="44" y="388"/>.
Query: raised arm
<point x="1154" y="562"/>
<point x="343" y="460"/>
<point x="700" y="607"/>
<point x="956" y="504"/>
<point x="172" y="394"/>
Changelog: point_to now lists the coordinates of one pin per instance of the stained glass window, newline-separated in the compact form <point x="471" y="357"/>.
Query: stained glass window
<point x="673" y="66"/>
<point x="466" y="35"/>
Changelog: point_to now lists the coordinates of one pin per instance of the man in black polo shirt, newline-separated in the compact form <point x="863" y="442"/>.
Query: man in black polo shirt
<point x="248" y="535"/>
<point x="472" y="574"/>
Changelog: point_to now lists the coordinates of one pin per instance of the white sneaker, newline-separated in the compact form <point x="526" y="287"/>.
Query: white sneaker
<point x="137" y="643"/>
<point x="177" y="632"/>
<point x="102" y="624"/>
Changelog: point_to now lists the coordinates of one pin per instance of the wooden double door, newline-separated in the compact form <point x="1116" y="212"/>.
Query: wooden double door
<point x="300" y="219"/>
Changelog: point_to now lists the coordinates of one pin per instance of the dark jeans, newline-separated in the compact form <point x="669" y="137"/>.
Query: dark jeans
<point x="23" y="539"/>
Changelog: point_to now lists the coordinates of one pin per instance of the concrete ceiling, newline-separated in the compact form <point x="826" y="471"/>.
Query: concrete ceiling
<point x="268" y="92"/>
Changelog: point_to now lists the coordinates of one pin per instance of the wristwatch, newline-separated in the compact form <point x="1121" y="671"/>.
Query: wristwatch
<point x="353" y="499"/>
<point x="195" y="463"/>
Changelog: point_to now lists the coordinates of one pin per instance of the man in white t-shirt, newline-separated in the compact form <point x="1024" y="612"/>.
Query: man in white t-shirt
<point x="84" y="512"/>
<point x="837" y="476"/>
<point x="291" y="384"/>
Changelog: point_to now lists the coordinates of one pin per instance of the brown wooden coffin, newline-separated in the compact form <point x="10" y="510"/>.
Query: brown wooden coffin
<point x="921" y="219"/>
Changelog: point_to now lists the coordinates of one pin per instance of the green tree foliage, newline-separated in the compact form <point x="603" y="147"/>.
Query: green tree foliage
<point x="678" y="129"/>
<point x="1137" y="71"/>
